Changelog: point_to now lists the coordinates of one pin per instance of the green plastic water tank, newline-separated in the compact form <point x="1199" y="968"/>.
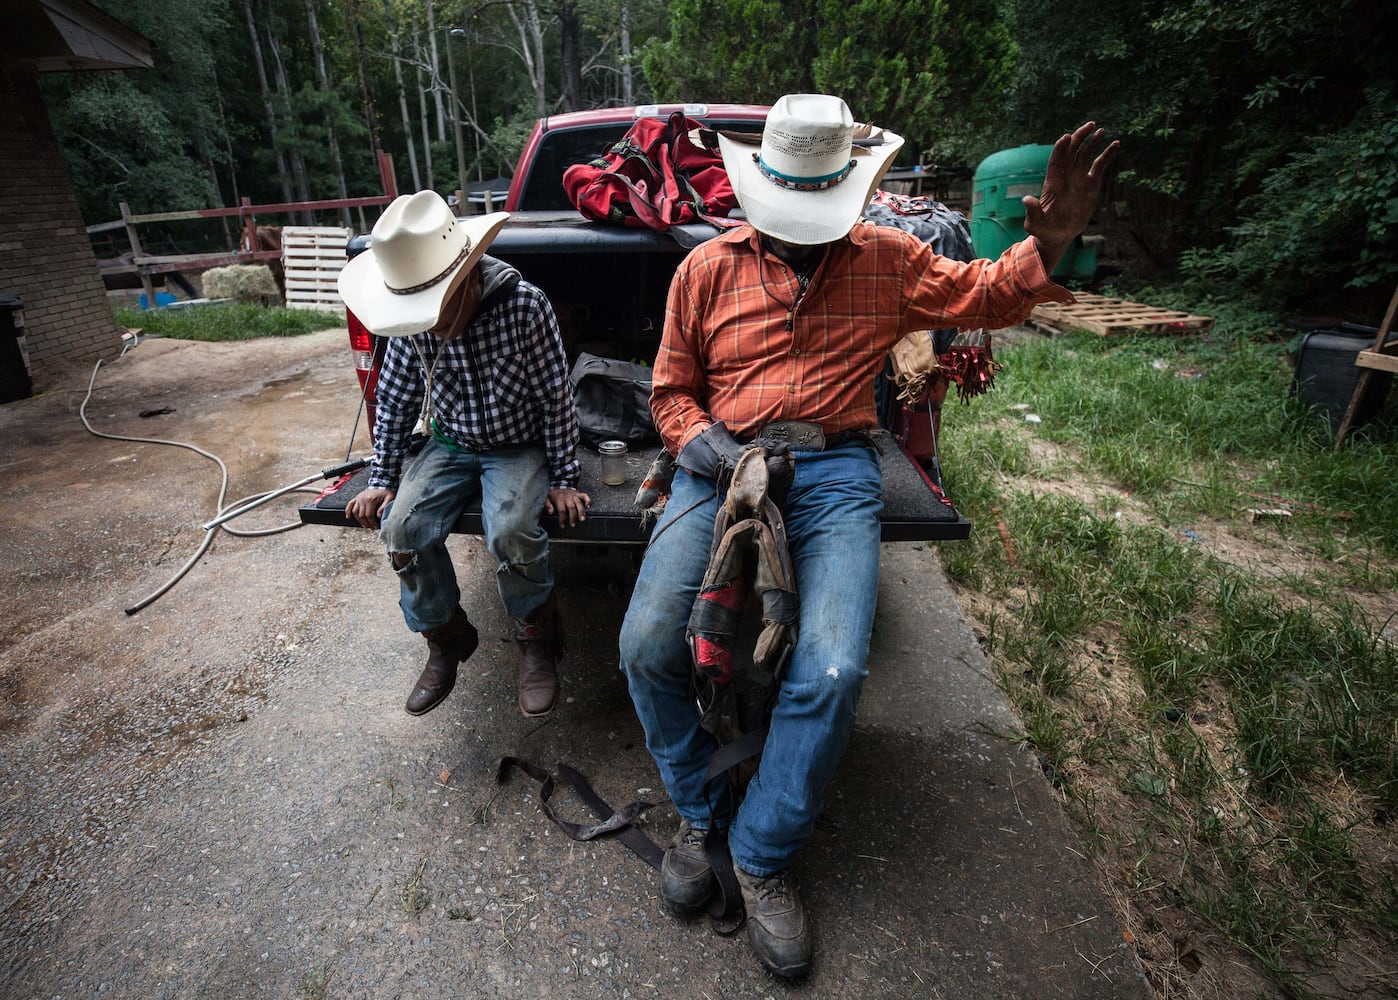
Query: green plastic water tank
<point x="997" y="207"/>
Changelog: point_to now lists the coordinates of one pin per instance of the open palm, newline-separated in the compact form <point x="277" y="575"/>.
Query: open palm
<point x="1071" y="185"/>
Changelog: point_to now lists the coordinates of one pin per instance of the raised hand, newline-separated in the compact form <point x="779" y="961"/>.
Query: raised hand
<point x="1071" y="186"/>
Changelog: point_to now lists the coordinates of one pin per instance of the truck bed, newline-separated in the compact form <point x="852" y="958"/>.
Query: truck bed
<point x="913" y="508"/>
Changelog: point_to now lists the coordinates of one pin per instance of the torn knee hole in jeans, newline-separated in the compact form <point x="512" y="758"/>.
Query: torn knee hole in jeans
<point x="516" y="566"/>
<point x="402" y="560"/>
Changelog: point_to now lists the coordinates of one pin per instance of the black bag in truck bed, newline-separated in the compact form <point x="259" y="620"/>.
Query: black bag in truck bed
<point x="912" y="507"/>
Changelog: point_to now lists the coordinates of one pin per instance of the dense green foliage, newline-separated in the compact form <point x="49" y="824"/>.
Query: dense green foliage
<point x="195" y="131"/>
<point x="149" y="139"/>
<point x="1313" y="212"/>
<point x="1256" y="127"/>
<point x="933" y="71"/>
<point x="1259" y="136"/>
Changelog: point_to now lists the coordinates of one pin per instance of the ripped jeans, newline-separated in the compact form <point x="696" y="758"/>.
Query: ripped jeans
<point x="513" y="484"/>
<point x="832" y="523"/>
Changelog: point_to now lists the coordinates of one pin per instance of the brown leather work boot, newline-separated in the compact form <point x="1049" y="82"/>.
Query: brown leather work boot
<point x="540" y="638"/>
<point x="447" y="646"/>
<point x="777" y="927"/>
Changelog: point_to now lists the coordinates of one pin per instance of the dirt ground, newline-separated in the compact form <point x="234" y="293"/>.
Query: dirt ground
<point x="221" y="794"/>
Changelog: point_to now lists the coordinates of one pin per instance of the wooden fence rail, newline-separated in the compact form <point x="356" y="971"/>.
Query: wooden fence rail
<point x="147" y="265"/>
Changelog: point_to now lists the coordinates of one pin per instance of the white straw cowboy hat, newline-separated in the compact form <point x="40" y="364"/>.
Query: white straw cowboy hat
<point x="815" y="171"/>
<point x="419" y="255"/>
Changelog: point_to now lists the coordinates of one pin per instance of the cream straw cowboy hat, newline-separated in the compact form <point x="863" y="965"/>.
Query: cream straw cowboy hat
<point x="419" y="255"/>
<point x="815" y="171"/>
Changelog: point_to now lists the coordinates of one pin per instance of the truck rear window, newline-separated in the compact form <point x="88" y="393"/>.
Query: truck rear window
<point x="559" y="150"/>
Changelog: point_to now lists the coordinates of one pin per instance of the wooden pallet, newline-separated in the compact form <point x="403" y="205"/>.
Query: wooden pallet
<point x="313" y="256"/>
<point x="1100" y="314"/>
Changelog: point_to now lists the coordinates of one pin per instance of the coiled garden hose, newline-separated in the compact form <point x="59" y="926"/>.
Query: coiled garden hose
<point x="226" y="512"/>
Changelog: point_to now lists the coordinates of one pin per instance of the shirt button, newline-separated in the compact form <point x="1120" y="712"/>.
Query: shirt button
<point x="796" y="354"/>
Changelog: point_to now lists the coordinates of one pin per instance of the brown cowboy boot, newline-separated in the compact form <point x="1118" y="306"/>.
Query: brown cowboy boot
<point x="447" y="646"/>
<point x="540" y="638"/>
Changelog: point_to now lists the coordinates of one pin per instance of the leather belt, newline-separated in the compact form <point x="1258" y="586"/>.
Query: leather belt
<point x="805" y="435"/>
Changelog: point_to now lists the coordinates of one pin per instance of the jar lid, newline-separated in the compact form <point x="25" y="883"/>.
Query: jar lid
<point x="612" y="448"/>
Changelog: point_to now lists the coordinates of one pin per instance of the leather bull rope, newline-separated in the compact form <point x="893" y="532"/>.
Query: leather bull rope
<point x="748" y="533"/>
<point x="725" y="909"/>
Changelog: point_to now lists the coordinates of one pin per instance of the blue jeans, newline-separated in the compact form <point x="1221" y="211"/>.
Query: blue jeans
<point x="832" y="523"/>
<point x="513" y="483"/>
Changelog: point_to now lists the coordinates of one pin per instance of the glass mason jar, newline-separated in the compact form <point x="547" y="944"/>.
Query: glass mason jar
<point x="613" y="462"/>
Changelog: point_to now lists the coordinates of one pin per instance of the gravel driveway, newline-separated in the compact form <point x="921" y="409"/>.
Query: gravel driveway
<point x="221" y="795"/>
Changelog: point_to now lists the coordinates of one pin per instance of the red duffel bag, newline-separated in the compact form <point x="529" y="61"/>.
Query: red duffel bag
<point x="655" y="177"/>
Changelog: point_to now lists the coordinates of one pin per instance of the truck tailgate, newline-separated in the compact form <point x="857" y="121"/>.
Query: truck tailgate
<point x="913" y="508"/>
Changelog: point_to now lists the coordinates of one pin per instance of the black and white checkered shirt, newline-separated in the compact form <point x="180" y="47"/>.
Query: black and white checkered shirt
<point x="502" y="382"/>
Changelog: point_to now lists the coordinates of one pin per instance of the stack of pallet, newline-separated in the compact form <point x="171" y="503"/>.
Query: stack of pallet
<point x="313" y="256"/>
<point x="1099" y="314"/>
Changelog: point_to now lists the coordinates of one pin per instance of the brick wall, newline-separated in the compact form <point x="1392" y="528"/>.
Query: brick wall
<point x="45" y="255"/>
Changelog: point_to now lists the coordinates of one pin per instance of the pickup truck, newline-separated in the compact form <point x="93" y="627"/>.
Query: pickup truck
<point x="608" y="285"/>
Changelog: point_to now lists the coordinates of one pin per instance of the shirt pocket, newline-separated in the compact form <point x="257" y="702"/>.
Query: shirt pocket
<point x="510" y="383"/>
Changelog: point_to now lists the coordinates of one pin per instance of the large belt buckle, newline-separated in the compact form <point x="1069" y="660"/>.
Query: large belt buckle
<point x="802" y="434"/>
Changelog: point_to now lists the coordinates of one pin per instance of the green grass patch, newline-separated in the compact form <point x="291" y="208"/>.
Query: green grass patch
<point x="1225" y="728"/>
<point x="227" y="321"/>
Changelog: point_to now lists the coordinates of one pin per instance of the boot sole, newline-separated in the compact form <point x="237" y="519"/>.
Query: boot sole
<point x="424" y="711"/>
<point x="789" y="972"/>
<point x="684" y="912"/>
<point x="539" y="715"/>
<point x="792" y="970"/>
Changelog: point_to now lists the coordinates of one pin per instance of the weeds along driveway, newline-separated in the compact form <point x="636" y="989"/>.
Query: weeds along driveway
<point x="221" y="794"/>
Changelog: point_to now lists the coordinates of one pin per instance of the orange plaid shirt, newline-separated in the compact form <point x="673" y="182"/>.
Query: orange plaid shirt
<point x="734" y="349"/>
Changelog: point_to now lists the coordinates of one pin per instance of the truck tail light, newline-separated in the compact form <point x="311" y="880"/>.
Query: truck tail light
<point x="361" y="345"/>
<point x="365" y="347"/>
<point x="367" y="351"/>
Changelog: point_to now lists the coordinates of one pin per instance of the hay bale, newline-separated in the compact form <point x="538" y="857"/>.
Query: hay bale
<point x="242" y="283"/>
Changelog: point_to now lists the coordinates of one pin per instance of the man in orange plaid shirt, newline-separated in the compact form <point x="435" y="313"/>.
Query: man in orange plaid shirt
<point x="774" y="332"/>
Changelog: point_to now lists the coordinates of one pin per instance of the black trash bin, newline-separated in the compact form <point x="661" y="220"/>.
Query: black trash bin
<point x="15" y="380"/>
<point x="1326" y="374"/>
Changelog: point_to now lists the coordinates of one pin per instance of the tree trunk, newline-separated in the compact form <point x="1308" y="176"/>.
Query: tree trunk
<point x="418" y="62"/>
<point x="371" y="115"/>
<point x="437" y="87"/>
<point x="394" y="54"/>
<point x="267" y="106"/>
<point x="214" y="186"/>
<point x="227" y="144"/>
<point x="628" y="96"/>
<point x="319" y="54"/>
<point x="298" y="161"/>
<point x="570" y="54"/>
<point x="531" y="50"/>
